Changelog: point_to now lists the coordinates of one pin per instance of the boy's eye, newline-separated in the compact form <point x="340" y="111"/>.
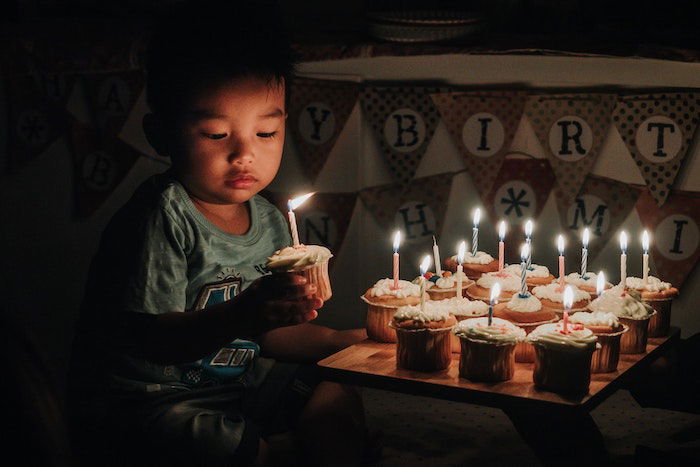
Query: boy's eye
<point x="214" y="135"/>
<point x="267" y="135"/>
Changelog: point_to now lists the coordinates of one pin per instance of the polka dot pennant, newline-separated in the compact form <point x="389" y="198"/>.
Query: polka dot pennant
<point x="675" y="233"/>
<point x="418" y="209"/>
<point x="404" y="120"/>
<point x="602" y="205"/>
<point x="111" y="96"/>
<point x="482" y="125"/>
<point x="318" y="112"/>
<point x="323" y="219"/>
<point x="658" y="130"/>
<point x="571" y="128"/>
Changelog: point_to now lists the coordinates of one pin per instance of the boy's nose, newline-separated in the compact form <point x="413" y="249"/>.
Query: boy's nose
<point x="241" y="153"/>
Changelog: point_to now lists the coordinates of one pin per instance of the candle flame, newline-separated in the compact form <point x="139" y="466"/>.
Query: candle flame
<point x="528" y="228"/>
<point x="524" y="252"/>
<point x="560" y="245"/>
<point x="586" y="237"/>
<point x="645" y="241"/>
<point x="425" y="264"/>
<point x="568" y="297"/>
<point x="623" y="242"/>
<point x="461" y="248"/>
<point x="600" y="284"/>
<point x="501" y="230"/>
<point x="397" y="241"/>
<point x="296" y="202"/>
<point x="495" y="292"/>
<point x="477" y="217"/>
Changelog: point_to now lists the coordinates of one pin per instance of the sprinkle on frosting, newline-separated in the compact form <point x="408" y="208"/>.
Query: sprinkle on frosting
<point x="524" y="303"/>
<point x="295" y="258"/>
<point x="430" y="312"/>
<point x="451" y="282"/>
<point x="481" y="257"/>
<point x="553" y="293"/>
<point x="552" y="334"/>
<point x="535" y="271"/>
<point x="596" y="318"/>
<point x="509" y="283"/>
<point x="654" y="284"/>
<point x="462" y="306"/>
<point x="385" y="287"/>
<point x="589" y="281"/>
<point x="623" y="304"/>
<point x="500" y="331"/>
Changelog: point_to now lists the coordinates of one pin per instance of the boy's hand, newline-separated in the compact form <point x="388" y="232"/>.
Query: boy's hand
<point x="283" y="299"/>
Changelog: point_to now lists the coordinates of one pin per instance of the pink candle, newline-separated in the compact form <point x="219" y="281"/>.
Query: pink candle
<point x="397" y="241"/>
<point x="562" y="271"/>
<point x="292" y="204"/>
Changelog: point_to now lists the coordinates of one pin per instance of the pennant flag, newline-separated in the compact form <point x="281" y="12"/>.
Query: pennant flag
<point x="318" y="111"/>
<point x="404" y="120"/>
<point x="602" y="205"/>
<point x="323" y="219"/>
<point x="571" y="128"/>
<point x="658" y="130"/>
<point x="37" y="115"/>
<point x="482" y="125"/>
<point x="675" y="231"/>
<point x="111" y="96"/>
<point x="100" y="163"/>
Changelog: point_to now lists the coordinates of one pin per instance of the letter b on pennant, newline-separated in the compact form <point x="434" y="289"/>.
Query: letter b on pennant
<point x="404" y="130"/>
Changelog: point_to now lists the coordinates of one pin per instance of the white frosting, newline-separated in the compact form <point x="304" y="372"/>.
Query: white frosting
<point x="294" y="258"/>
<point x="509" y="283"/>
<point x="536" y="271"/>
<point x="385" y="287"/>
<point x="500" y="331"/>
<point x="430" y="312"/>
<point x="481" y="257"/>
<point x="596" y="318"/>
<point x="654" y="284"/>
<point x="552" y="334"/>
<point x="428" y="284"/>
<point x="622" y="304"/>
<point x="451" y="282"/>
<point x="528" y="303"/>
<point x="590" y="281"/>
<point x="553" y="293"/>
<point x="462" y="306"/>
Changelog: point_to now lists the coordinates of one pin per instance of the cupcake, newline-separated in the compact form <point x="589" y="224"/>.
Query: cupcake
<point x="474" y="265"/>
<point x="487" y="352"/>
<point x="526" y="312"/>
<point x="552" y="298"/>
<point x="586" y="283"/>
<point x="534" y="276"/>
<point x="482" y="289"/>
<point x="423" y="337"/>
<point x="631" y="311"/>
<point x="608" y="329"/>
<point x="563" y="358"/>
<point x="659" y="295"/>
<point x="382" y="302"/>
<point x="444" y="286"/>
<point x="310" y="261"/>
<point x="461" y="309"/>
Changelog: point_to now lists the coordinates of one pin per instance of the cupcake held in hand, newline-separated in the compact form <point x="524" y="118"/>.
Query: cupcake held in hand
<point x="310" y="261"/>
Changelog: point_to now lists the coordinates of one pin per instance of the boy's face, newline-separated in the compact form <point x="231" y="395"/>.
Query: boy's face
<point x="232" y="139"/>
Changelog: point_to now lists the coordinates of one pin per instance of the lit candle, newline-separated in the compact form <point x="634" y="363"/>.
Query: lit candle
<point x="645" y="256"/>
<point x="424" y="265"/>
<point x="584" y="252"/>
<point x="524" y="253"/>
<point x="568" y="301"/>
<point x="501" y="246"/>
<point x="436" y="258"/>
<point x="562" y="270"/>
<point x="623" y="260"/>
<point x="292" y="204"/>
<point x="495" y="292"/>
<point x="460" y="259"/>
<point x="397" y="241"/>
<point x="528" y="239"/>
<point x="475" y="231"/>
<point x="600" y="284"/>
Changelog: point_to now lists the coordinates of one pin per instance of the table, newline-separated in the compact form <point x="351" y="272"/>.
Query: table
<point x="531" y="410"/>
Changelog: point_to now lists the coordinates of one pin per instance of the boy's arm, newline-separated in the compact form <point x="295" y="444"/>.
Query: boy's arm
<point x="307" y="342"/>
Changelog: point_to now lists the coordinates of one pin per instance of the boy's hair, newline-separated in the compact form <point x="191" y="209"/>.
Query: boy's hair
<point x="205" y="43"/>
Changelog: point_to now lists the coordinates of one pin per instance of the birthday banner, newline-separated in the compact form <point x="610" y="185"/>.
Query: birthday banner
<point x="323" y="219"/>
<point x="675" y="230"/>
<point x="100" y="163"/>
<point x="318" y="111"/>
<point x="482" y="125"/>
<point x="403" y="119"/>
<point x="571" y="129"/>
<point x="602" y="205"/>
<point x="658" y="130"/>
<point x="111" y="96"/>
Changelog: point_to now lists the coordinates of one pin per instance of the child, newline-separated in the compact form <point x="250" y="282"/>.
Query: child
<point x="180" y="320"/>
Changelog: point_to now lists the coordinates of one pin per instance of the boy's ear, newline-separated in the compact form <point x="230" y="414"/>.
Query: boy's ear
<point x="155" y="132"/>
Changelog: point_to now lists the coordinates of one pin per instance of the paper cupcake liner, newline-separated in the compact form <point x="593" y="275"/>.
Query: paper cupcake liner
<point x="318" y="274"/>
<point x="660" y="322"/>
<point x="562" y="371"/>
<point x="488" y="299"/>
<point x="524" y="351"/>
<point x="486" y="361"/>
<point x="454" y="340"/>
<point x="378" y="319"/>
<point x="437" y="293"/>
<point x="606" y="358"/>
<point x="423" y="349"/>
<point x="635" y="340"/>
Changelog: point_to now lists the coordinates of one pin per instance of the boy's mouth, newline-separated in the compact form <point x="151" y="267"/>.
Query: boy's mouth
<point x="240" y="181"/>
